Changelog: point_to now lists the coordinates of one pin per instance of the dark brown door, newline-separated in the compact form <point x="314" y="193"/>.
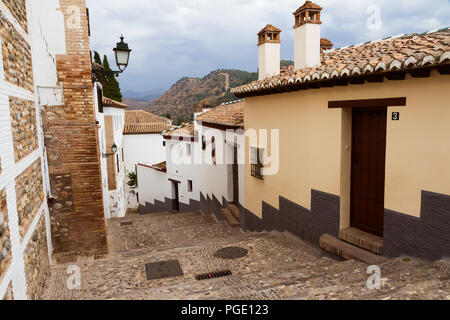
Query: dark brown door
<point x="368" y="169"/>
<point x="235" y="177"/>
<point x="176" y="200"/>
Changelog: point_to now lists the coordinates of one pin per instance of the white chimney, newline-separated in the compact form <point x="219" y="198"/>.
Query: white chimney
<point x="307" y="36"/>
<point x="269" y="52"/>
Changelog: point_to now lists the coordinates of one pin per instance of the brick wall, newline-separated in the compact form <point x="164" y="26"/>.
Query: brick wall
<point x="23" y="125"/>
<point x="77" y="214"/>
<point x="16" y="54"/>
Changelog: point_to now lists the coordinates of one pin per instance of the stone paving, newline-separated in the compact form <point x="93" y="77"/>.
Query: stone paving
<point x="278" y="266"/>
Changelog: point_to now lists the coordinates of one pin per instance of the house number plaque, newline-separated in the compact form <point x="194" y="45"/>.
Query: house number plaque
<point x="395" y="116"/>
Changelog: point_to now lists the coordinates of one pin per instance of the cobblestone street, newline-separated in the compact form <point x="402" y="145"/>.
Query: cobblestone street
<point x="277" y="266"/>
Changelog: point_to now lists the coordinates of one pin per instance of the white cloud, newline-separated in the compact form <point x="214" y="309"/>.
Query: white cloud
<point x="175" y="38"/>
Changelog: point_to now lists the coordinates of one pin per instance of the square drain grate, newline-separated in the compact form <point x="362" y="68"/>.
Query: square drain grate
<point x="163" y="270"/>
<point x="213" y="275"/>
<point x="128" y="223"/>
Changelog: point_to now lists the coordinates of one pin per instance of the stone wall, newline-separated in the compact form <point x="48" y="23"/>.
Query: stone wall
<point x="16" y="56"/>
<point x="5" y="240"/>
<point x="71" y="137"/>
<point x="36" y="262"/>
<point x="9" y="293"/>
<point x="30" y="194"/>
<point x="23" y="126"/>
<point x="19" y="11"/>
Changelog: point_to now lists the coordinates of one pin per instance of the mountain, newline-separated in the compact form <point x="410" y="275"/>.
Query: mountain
<point x="135" y="104"/>
<point x="143" y="96"/>
<point x="213" y="89"/>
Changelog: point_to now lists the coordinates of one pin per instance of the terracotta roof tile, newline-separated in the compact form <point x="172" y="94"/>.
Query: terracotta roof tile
<point x="182" y="131"/>
<point x="107" y="102"/>
<point x="383" y="56"/>
<point x="269" y="28"/>
<point x="142" y="122"/>
<point x="229" y="114"/>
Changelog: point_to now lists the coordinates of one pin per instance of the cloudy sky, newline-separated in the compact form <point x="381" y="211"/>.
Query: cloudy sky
<point x="175" y="38"/>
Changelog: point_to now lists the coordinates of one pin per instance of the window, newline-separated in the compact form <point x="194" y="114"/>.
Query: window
<point x="100" y="99"/>
<point x="213" y="150"/>
<point x="203" y="143"/>
<point x="164" y="143"/>
<point x="189" y="183"/>
<point x="123" y="156"/>
<point x="117" y="162"/>
<point x="256" y="163"/>
<point x="188" y="149"/>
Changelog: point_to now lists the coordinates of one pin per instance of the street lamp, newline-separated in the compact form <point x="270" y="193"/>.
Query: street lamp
<point x="113" y="149"/>
<point x="122" y="52"/>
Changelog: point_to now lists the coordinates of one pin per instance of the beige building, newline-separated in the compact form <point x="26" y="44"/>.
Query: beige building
<point x="363" y="145"/>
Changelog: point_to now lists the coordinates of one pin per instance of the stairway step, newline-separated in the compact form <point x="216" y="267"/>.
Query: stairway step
<point x="348" y="251"/>
<point x="229" y="218"/>
<point x="234" y="210"/>
<point x="362" y="239"/>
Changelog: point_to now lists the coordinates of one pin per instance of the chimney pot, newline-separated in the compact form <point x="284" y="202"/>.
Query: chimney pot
<point x="307" y="35"/>
<point x="269" y="51"/>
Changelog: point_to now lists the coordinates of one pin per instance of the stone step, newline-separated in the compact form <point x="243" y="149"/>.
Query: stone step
<point x="348" y="251"/>
<point x="229" y="218"/>
<point x="362" y="239"/>
<point x="234" y="211"/>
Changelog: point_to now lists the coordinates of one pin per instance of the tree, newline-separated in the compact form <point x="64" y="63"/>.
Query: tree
<point x="132" y="179"/>
<point x="111" y="89"/>
<point x="97" y="58"/>
<point x="166" y="115"/>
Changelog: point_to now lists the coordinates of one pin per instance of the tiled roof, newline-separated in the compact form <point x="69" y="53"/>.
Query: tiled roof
<point x="107" y="102"/>
<point x="143" y="122"/>
<point x="228" y="114"/>
<point x="396" y="54"/>
<point x="181" y="131"/>
<point x="308" y="5"/>
<point x="269" y="28"/>
<point x="160" y="166"/>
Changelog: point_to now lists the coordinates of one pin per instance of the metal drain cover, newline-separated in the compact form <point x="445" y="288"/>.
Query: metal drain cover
<point x="213" y="275"/>
<point x="231" y="253"/>
<point x="163" y="270"/>
<point x="128" y="223"/>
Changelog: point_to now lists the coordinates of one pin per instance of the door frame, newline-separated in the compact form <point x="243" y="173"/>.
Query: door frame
<point x="346" y="107"/>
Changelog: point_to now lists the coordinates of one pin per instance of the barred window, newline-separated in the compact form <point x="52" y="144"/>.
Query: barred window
<point x="256" y="163"/>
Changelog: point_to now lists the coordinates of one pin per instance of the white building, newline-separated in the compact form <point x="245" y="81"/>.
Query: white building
<point x="143" y="144"/>
<point x="203" y="168"/>
<point x="113" y="165"/>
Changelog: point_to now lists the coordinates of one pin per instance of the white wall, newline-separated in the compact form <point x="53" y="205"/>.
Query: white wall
<point x="46" y="38"/>
<point x="102" y="147"/>
<point x="154" y="185"/>
<point x="145" y="149"/>
<point x="118" y="202"/>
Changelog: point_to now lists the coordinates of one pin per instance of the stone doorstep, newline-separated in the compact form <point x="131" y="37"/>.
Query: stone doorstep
<point x="362" y="239"/>
<point x="348" y="251"/>
<point x="229" y="218"/>
<point x="234" y="210"/>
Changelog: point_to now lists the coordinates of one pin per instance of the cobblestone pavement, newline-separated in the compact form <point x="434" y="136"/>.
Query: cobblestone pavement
<point x="277" y="266"/>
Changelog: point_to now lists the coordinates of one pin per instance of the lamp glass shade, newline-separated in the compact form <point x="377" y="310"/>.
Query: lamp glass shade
<point x="114" y="148"/>
<point x="122" y="58"/>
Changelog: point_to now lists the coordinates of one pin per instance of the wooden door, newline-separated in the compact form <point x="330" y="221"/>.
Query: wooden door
<point x="368" y="169"/>
<point x="176" y="200"/>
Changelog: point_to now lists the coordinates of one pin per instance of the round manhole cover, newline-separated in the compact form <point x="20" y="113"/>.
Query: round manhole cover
<point x="231" y="253"/>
